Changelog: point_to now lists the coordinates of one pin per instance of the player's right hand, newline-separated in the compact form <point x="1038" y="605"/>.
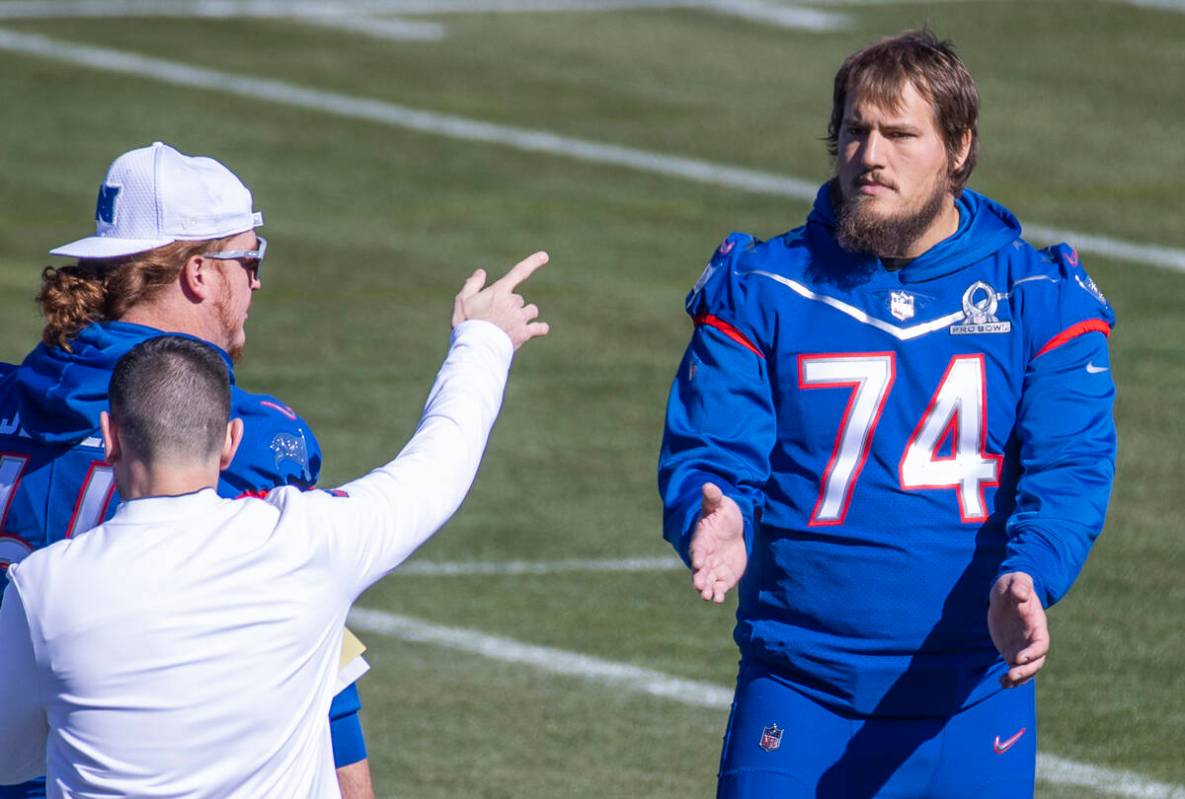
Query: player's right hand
<point x="718" y="553"/>
<point x="499" y="304"/>
<point x="1018" y="626"/>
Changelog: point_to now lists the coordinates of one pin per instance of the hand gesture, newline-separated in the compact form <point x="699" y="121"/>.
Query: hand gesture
<point x="718" y="554"/>
<point x="1017" y="624"/>
<point x="497" y="303"/>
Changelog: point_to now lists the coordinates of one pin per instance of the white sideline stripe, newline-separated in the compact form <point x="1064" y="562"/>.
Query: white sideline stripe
<point x="544" y="658"/>
<point x="466" y="568"/>
<point x="784" y="16"/>
<point x="401" y="116"/>
<point x="538" y="141"/>
<point x="1162" y="5"/>
<point x="43" y="9"/>
<point x="34" y="9"/>
<point x="389" y="28"/>
<point x="1050" y="768"/>
<point x="791" y="16"/>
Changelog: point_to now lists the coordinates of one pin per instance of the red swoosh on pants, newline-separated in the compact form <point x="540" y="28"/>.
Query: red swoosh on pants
<point x="1003" y="746"/>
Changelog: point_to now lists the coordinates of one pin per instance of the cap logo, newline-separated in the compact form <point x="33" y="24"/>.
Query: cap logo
<point x="105" y="207"/>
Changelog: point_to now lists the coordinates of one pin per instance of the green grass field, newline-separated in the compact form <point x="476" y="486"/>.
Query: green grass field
<point x="373" y="227"/>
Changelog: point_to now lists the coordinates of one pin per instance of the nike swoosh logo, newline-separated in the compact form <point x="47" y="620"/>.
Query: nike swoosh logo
<point x="1091" y="369"/>
<point x="1003" y="746"/>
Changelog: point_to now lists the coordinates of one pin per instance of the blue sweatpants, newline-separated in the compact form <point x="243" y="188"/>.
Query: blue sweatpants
<point x="779" y="743"/>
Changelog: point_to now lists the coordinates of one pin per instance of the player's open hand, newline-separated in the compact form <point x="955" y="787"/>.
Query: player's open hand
<point x="718" y="554"/>
<point x="498" y="303"/>
<point x="1018" y="626"/>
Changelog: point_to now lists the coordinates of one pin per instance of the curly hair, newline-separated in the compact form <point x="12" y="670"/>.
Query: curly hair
<point x="72" y="297"/>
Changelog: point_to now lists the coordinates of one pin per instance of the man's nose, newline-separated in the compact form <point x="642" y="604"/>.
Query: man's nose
<point x="872" y="150"/>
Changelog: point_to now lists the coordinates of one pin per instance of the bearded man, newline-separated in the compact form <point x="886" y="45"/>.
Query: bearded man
<point x="893" y="430"/>
<point x="174" y="252"/>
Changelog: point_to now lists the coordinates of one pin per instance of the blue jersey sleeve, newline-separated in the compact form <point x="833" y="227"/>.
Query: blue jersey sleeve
<point x="278" y="447"/>
<point x="1066" y="434"/>
<point x="1062" y="304"/>
<point x="720" y="423"/>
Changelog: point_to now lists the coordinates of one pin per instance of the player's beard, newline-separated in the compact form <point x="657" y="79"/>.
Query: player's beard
<point x="230" y="328"/>
<point x="860" y="229"/>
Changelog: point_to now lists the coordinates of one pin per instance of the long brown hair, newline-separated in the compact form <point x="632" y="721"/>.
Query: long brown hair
<point x="72" y="297"/>
<point x="879" y="72"/>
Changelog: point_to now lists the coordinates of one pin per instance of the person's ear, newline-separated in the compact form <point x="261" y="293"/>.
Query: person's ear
<point x="964" y="150"/>
<point x="197" y="277"/>
<point x="110" y="429"/>
<point x="234" y="437"/>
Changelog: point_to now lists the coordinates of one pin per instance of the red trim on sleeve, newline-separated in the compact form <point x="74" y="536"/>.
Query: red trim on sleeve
<point x="259" y="493"/>
<point x="1074" y="331"/>
<point x="730" y="331"/>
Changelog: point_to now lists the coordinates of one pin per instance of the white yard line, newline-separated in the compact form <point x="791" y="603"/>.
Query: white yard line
<point x="783" y="16"/>
<point x="538" y="141"/>
<point x="45" y="9"/>
<point x="556" y="661"/>
<point x="467" y="568"/>
<point x="354" y="11"/>
<point x="1104" y="780"/>
<point x="388" y="28"/>
<point x="623" y="676"/>
<point x="1158" y="5"/>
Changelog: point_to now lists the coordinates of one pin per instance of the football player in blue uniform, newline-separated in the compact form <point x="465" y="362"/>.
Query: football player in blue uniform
<point x="892" y="432"/>
<point x="175" y="252"/>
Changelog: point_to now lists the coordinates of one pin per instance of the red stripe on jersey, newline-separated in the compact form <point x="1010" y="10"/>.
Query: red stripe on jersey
<point x="1074" y="331"/>
<point x="728" y="330"/>
<point x="259" y="493"/>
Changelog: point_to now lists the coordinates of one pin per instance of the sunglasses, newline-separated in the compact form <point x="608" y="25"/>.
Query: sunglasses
<point x="252" y="260"/>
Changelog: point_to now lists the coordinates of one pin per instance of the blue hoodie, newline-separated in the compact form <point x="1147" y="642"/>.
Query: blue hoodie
<point x="53" y="481"/>
<point x="895" y="440"/>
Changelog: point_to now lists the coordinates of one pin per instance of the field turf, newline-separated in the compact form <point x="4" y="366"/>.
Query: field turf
<point x="372" y="228"/>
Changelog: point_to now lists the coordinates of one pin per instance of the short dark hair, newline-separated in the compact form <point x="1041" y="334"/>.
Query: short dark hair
<point x="171" y="399"/>
<point x="880" y="70"/>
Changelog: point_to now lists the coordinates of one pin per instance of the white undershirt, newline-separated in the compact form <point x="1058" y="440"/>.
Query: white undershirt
<point x="189" y="646"/>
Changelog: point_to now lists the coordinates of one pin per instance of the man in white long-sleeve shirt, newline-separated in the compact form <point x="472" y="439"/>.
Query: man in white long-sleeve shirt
<point x="188" y="646"/>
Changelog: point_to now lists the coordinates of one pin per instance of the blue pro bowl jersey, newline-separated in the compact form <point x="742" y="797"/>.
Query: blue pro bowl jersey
<point x="54" y="482"/>
<point x="896" y="440"/>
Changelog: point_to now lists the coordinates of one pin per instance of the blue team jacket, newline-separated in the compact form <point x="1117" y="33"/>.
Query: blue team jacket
<point x="895" y="441"/>
<point x="53" y="481"/>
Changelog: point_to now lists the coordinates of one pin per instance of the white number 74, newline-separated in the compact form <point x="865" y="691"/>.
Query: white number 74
<point x="957" y="410"/>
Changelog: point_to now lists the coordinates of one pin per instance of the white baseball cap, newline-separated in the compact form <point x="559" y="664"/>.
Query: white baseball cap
<point x="155" y="195"/>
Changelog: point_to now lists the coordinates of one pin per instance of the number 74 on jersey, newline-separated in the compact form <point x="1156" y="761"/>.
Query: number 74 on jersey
<point x="957" y="410"/>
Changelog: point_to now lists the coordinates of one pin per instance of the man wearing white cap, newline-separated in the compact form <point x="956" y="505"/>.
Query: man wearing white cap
<point x="186" y="647"/>
<point x="174" y="252"/>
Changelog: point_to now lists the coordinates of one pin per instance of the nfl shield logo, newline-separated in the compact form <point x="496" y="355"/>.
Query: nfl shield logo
<point x="901" y="305"/>
<point x="771" y="737"/>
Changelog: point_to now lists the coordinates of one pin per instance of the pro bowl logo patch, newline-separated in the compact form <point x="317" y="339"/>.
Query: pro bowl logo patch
<point x="771" y="737"/>
<point x="289" y="447"/>
<point x="980" y="302"/>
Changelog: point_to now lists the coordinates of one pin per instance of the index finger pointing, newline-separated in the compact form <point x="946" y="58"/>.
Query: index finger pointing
<point x="522" y="270"/>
